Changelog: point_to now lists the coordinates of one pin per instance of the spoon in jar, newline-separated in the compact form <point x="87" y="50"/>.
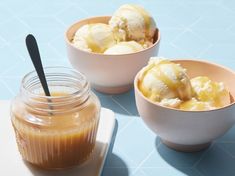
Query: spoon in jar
<point x="33" y="50"/>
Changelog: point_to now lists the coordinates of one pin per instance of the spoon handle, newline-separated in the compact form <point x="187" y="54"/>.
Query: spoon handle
<point x="33" y="50"/>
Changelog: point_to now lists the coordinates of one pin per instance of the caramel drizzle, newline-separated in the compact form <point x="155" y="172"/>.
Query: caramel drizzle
<point x="160" y="75"/>
<point x="90" y="40"/>
<point x="146" y="17"/>
<point x="144" y="14"/>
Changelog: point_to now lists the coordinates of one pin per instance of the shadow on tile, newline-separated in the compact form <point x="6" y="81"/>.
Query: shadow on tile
<point x="114" y="165"/>
<point x="218" y="161"/>
<point x="127" y="100"/>
<point x="118" y="167"/>
<point x="214" y="160"/>
<point x="119" y="103"/>
<point x="184" y="162"/>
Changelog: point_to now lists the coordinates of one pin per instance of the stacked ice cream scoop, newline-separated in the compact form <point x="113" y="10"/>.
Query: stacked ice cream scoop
<point x="167" y="83"/>
<point x="130" y="29"/>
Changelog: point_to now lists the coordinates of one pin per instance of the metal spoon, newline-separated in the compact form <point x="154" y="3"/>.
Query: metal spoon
<point x="33" y="50"/>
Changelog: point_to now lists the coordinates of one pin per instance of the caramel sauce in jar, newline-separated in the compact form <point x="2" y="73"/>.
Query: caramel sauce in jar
<point x="58" y="131"/>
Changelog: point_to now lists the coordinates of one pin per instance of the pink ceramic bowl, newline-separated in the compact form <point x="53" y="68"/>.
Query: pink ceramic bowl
<point x="108" y="73"/>
<point x="190" y="130"/>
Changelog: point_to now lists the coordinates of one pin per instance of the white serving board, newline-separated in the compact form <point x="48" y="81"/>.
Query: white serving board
<point x="11" y="163"/>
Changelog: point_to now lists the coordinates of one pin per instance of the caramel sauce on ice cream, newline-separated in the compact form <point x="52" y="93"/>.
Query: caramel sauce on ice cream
<point x="168" y="84"/>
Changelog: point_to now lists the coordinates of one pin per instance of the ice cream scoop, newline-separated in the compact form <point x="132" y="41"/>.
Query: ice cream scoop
<point x="124" y="48"/>
<point x="196" y="105"/>
<point x="134" y="23"/>
<point x="210" y="91"/>
<point x="94" y="37"/>
<point x="162" y="81"/>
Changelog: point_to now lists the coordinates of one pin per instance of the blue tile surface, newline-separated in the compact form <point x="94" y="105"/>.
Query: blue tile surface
<point x="190" y="29"/>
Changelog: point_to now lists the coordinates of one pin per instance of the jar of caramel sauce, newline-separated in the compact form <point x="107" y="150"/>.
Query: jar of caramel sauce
<point x="56" y="131"/>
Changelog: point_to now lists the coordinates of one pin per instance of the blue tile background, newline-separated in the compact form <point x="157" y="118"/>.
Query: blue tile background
<point x="202" y="29"/>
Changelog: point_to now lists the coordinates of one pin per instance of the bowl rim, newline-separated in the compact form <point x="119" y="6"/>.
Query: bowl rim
<point x="102" y="54"/>
<point x="179" y="110"/>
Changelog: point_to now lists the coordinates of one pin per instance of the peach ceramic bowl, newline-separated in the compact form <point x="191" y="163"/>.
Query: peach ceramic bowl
<point x="190" y="130"/>
<point x="108" y="73"/>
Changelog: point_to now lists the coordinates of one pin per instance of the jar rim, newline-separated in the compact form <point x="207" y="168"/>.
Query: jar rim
<point x="85" y="83"/>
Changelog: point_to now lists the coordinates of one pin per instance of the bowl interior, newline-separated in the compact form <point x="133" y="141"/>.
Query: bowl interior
<point x="213" y="71"/>
<point x="102" y="19"/>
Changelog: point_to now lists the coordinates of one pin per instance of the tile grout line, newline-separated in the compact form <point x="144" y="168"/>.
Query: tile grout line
<point x="228" y="153"/>
<point x="129" y="122"/>
<point x="60" y="21"/>
<point x="62" y="10"/>
<point x="182" y="51"/>
<point x="220" y="4"/>
<point x="126" y="126"/>
<point x="142" y="162"/>
<point x="203" y="155"/>
<point x="121" y="106"/>
<point x="55" y="50"/>
<point x="8" y="88"/>
<point x="18" y="18"/>
<point x="185" y="29"/>
<point x="142" y="172"/>
<point x="225" y="142"/>
<point x="10" y="68"/>
<point x="200" y="37"/>
<point x="205" y="50"/>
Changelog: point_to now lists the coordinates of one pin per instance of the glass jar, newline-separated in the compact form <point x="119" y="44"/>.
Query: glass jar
<point x="57" y="131"/>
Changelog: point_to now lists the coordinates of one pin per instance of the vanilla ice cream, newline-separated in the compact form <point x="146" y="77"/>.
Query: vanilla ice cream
<point x="130" y="29"/>
<point x="133" y="22"/>
<point x="165" y="82"/>
<point x="124" y="48"/>
<point x="196" y="105"/>
<point x="94" y="37"/>
<point x="210" y="91"/>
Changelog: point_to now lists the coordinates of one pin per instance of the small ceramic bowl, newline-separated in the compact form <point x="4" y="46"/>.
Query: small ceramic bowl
<point x="108" y="73"/>
<point x="190" y="130"/>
